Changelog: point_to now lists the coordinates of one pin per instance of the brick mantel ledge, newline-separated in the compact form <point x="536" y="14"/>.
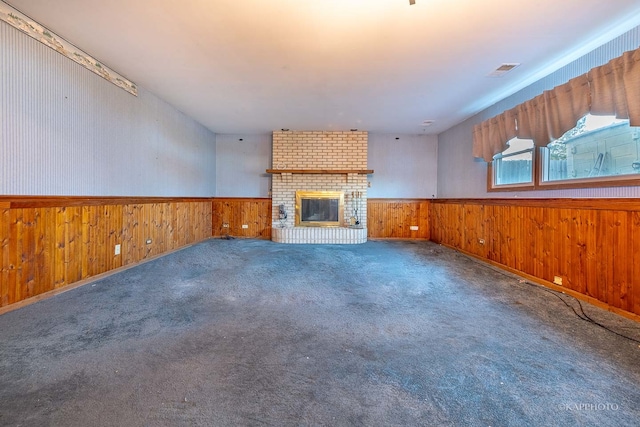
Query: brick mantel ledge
<point x="322" y="171"/>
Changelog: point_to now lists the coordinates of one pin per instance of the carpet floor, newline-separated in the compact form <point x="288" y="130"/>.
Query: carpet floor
<point x="255" y="333"/>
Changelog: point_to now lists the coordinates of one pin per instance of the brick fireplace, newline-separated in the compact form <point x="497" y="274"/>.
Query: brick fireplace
<point x="320" y="162"/>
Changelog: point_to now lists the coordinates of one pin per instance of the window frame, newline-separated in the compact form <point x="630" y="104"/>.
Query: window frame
<point x="538" y="184"/>
<point x="627" y="180"/>
<point x="516" y="186"/>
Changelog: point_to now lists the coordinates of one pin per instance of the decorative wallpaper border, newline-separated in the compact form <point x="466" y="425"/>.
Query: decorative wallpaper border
<point x="34" y="30"/>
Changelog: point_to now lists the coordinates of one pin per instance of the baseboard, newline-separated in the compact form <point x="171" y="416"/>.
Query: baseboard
<point x="551" y="285"/>
<point x="75" y="285"/>
<point x="224" y="236"/>
<point x="422" y="239"/>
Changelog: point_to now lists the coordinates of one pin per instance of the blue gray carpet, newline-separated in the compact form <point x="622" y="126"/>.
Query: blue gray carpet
<point x="246" y="332"/>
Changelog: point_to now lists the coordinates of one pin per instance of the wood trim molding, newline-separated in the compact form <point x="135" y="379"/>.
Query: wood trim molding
<point x="631" y="204"/>
<point x="397" y="200"/>
<point x="22" y="202"/>
<point x="550" y="285"/>
<point x="46" y="295"/>
<point x="240" y="199"/>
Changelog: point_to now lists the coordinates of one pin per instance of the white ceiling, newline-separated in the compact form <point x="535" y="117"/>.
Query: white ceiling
<point x="252" y="66"/>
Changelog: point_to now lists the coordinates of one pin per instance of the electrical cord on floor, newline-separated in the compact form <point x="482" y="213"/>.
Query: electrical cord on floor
<point x="557" y="294"/>
<point x="584" y="315"/>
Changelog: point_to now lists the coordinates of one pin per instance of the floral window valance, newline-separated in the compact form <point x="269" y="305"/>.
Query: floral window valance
<point x="611" y="89"/>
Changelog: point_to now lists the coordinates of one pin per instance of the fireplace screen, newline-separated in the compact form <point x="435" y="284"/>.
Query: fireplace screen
<point x="319" y="208"/>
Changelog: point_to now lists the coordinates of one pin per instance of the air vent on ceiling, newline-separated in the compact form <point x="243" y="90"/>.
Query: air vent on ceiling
<point x="503" y="69"/>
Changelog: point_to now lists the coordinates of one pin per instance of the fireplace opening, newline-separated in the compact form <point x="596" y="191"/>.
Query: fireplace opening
<point x="319" y="208"/>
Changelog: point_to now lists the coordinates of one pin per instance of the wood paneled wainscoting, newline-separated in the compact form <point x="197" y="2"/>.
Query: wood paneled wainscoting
<point x="591" y="245"/>
<point x="230" y="214"/>
<point x="48" y="243"/>
<point x="386" y="218"/>
<point x="394" y="218"/>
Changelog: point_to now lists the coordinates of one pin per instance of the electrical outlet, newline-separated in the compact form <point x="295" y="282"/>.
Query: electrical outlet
<point x="117" y="250"/>
<point x="245" y="226"/>
<point x="148" y="241"/>
<point x="557" y="280"/>
<point x="413" y="228"/>
<point x="225" y="225"/>
<point x="481" y="241"/>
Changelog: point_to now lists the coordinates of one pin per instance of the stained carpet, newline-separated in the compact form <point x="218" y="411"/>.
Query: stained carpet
<point x="247" y="332"/>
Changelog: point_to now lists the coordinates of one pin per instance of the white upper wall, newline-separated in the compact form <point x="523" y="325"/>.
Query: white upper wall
<point x="405" y="167"/>
<point x="66" y="131"/>
<point x="241" y="164"/>
<point x="462" y="176"/>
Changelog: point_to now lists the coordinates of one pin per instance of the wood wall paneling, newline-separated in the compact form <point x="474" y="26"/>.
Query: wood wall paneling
<point x="4" y="255"/>
<point x="49" y="243"/>
<point x="255" y="213"/>
<point x="386" y="218"/>
<point x="393" y="218"/>
<point x="634" y="285"/>
<point x="592" y="245"/>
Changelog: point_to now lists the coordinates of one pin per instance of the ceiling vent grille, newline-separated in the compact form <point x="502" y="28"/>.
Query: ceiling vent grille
<point x="503" y="69"/>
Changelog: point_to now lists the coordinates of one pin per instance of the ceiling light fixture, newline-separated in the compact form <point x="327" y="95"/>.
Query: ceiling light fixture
<point x="412" y="2"/>
<point x="427" y="123"/>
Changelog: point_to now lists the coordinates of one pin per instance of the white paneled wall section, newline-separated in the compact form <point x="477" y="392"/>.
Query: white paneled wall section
<point x="66" y="131"/>
<point x="241" y="164"/>
<point x="460" y="175"/>
<point x="406" y="166"/>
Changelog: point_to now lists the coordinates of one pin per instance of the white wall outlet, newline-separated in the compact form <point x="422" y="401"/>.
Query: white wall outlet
<point x="557" y="280"/>
<point x="413" y="228"/>
<point x="116" y="251"/>
<point x="245" y="226"/>
<point x="148" y="241"/>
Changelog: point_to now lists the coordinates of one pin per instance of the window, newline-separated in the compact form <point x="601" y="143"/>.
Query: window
<point x="580" y="150"/>
<point x="514" y="166"/>
<point x="599" y="151"/>
<point x="599" y="146"/>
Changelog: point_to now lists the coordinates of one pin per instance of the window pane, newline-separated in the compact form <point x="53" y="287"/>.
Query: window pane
<point x="515" y="164"/>
<point x="599" y="146"/>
